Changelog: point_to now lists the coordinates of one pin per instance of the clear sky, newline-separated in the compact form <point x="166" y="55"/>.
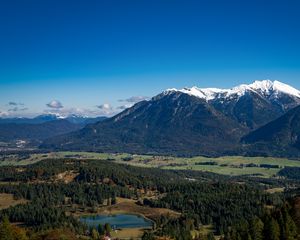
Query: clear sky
<point x="90" y="53"/>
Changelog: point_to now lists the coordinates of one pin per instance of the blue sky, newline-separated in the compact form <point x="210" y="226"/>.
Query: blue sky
<point x="90" y="52"/>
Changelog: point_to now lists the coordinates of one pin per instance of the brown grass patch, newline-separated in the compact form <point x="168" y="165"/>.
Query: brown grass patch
<point x="7" y="200"/>
<point x="125" y="205"/>
<point x="65" y="177"/>
<point x="275" y="190"/>
<point x="128" y="233"/>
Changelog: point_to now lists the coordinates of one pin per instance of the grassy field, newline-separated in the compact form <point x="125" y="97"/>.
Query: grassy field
<point x="228" y="165"/>
<point x="7" y="200"/>
<point x="128" y="233"/>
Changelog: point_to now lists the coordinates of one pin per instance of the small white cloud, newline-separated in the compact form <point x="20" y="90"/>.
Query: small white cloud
<point x="134" y="99"/>
<point x="106" y="109"/>
<point x="4" y="114"/>
<point x="55" y="104"/>
<point x="123" y="107"/>
<point x="101" y="110"/>
<point x="105" y="106"/>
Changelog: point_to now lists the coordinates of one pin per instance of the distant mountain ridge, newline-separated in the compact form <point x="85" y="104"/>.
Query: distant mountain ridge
<point x="32" y="131"/>
<point x="186" y="122"/>
<point x="33" y="134"/>
<point x="73" y="118"/>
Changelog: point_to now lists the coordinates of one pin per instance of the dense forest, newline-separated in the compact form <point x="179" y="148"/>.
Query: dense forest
<point x="290" y="172"/>
<point x="229" y="204"/>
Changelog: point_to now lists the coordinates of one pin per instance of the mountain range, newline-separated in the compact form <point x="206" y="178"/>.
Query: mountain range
<point x="31" y="131"/>
<point x="35" y="132"/>
<point x="72" y="118"/>
<point x="195" y="121"/>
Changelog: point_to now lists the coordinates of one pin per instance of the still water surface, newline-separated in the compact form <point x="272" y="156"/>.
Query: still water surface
<point x="117" y="221"/>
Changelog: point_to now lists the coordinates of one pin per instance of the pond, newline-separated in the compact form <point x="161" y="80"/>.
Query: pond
<point x="117" y="221"/>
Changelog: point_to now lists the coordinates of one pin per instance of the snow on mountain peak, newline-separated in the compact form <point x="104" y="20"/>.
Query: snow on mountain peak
<point x="279" y="86"/>
<point x="265" y="87"/>
<point x="52" y="115"/>
<point x="269" y="87"/>
<point x="206" y="93"/>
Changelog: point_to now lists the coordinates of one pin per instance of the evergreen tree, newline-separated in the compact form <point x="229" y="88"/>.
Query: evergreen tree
<point x="290" y="229"/>
<point x="148" y="236"/>
<point x="271" y="229"/>
<point x="101" y="229"/>
<point x="113" y="200"/>
<point x="256" y="229"/>
<point x="210" y="236"/>
<point x="107" y="228"/>
<point x="95" y="234"/>
<point x="6" y="232"/>
<point x="108" y="202"/>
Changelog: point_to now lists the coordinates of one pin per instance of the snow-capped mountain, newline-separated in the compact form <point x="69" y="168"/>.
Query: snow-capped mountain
<point x="189" y="121"/>
<point x="266" y="88"/>
<point x="48" y="117"/>
<point x="252" y="105"/>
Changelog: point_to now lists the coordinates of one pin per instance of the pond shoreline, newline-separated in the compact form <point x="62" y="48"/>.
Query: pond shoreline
<point x="129" y="206"/>
<point x="118" y="221"/>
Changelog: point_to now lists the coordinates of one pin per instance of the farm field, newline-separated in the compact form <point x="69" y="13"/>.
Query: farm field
<point x="227" y="165"/>
<point x="7" y="200"/>
<point x="128" y="233"/>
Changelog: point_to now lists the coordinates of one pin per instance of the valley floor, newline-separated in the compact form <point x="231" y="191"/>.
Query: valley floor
<point x="185" y="198"/>
<point x="227" y="165"/>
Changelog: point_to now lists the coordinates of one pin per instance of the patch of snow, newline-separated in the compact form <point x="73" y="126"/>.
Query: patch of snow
<point x="265" y="87"/>
<point x="282" y="87"/>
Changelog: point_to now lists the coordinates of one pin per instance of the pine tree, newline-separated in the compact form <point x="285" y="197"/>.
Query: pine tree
<point x="6" y="232"/>
<point x="210" y="236"/>
<point x="256" y="229"/>
<point x="271" y="229"/>
<point x="290" y="226"/>
<point x="148" y="236"/>
<point x="100" y="229"/>
<point x="95" y="234"/>
<point x="107" y="228"/>
<point x="113" y="200"/>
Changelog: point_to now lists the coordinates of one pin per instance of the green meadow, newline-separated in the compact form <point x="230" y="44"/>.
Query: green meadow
<point x="228" y="165"/>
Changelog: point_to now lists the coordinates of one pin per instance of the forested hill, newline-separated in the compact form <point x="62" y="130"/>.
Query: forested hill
<point x="172" y="123"/>
<point x="281" y="135"/>
<point x="35" y="132"/>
